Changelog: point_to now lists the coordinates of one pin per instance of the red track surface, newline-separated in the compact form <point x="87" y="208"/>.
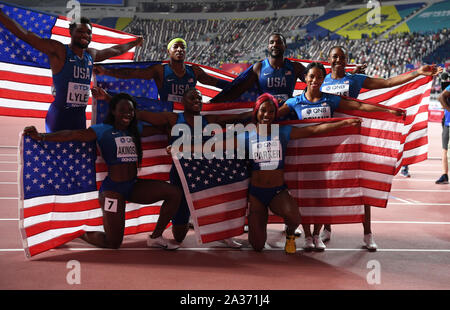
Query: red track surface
<point x="413" y="236"/>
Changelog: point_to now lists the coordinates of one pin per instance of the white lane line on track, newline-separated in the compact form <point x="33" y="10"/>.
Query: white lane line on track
<point x="416" y="180"/>
<point x="419" y="203"/>
<point x="237" y="250"/>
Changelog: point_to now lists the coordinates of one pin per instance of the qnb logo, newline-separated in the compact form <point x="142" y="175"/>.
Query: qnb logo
<point x="374" y="15"/>
<point x="126" y="139"/>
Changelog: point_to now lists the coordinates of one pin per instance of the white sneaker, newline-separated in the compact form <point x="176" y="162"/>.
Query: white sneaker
<point x="230" y="242"/>
<point x="309" y="244"/>
<point x="161" y="242"/>
<point x="370" y="243"/>
<point x="319" y="245"/>
<point x="325" y="235"/>
<point x="298" y="231"/>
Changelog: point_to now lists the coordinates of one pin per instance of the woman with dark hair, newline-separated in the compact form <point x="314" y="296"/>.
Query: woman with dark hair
<point x="266" y="148"/>
<point x="315" y="104"/>
<point x="119" y="139"/>
<point x="339" y="82"/>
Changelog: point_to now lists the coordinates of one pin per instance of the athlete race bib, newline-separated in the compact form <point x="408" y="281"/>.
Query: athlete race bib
<point x="316" y="112"/>
<point x="267" y="154"/>
<point x="174" y="98"/>
<point x="281" y="97"/>
<point x="337" y="89"/>
<point x="126" y="149"/>
<point x="77" y="94"/>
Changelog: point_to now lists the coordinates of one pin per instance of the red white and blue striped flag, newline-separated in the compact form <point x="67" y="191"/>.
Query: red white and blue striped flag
<point x="25" y="75"/>
<point x="331" y="176"/>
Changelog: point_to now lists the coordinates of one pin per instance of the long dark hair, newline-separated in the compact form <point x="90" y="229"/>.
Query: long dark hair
<point x="133" y="127"/>
<point x="315" y="65"/>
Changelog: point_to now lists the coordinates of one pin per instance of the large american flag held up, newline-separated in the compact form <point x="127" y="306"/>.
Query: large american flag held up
<point x="360" y="167"/>
<point x="25" y="75"/>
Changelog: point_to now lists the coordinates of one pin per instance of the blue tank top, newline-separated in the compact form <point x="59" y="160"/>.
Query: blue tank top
<point x="265" y="152"/>
<point x="324" y="108"/>
<point x="173" y="87"/>
<point x="117" y="146"/>
<point x="350" y="85"/>
<point x="72" y="89"/>
<point x="280" y="83"/>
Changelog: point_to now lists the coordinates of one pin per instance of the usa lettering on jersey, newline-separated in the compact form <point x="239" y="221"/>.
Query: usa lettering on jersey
<point x="81" y="73"/>
<point x="276" y="82"/>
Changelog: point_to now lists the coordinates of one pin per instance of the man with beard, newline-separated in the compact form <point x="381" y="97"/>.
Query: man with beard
<point x="71" y="67"/>
<point x="171" y="79"/>
<point x="274" y="75"/>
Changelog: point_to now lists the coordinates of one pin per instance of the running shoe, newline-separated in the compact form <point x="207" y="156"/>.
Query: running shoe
<point x="161" y="242"/>
<point x="230" y="242"/>
<point x="443" y="179"/>
<point x="325" y="235"/>
<point x="309" y="244"/>
<point x="290" y="247"/>
<point x="297" y="233"/>
<point x="318" y="244"/>
<point x="369" y="243"/>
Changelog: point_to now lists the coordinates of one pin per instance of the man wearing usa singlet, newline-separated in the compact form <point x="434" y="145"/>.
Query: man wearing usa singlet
<point x="274" y="75"/>
<point x="171" y="79"/>
<point x="71" y="67"/>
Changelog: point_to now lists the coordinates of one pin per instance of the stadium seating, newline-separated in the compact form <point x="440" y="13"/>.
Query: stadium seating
<point x="388" y="49"/>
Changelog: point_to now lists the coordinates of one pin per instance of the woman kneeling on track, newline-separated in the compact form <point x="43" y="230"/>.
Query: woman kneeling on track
<point x="267" y="188"/>
<point x="121" y="184"/>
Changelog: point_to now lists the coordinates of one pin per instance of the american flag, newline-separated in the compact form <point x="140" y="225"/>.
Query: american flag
<point x="25" y="75"/>
<point x="216" y="193"/>
<point x="54" y="177"/>
<point x="378" y="160"/>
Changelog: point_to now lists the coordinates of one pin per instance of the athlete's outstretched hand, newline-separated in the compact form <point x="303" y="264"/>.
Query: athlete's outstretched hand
<point x="429" y="70"/>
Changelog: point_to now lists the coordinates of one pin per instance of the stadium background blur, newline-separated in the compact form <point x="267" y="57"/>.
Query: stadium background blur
<point x="231" y="34"/>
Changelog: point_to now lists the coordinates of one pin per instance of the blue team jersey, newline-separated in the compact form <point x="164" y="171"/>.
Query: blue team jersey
<point x="350" y="85"/>
<point x="447" y="113"/>
<point x="117" y="146"/>
<point x="173" y="87"/>
<point x="324" y="108"/>
<point x="280" y="83"/>
<point x="265" y="152"/>
<point x="72" y="89"/>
